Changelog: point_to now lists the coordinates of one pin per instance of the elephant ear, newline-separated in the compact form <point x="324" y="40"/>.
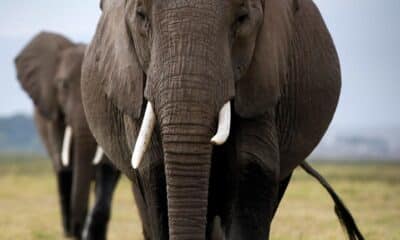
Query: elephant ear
<point x="116" y="63"/>
<point x="259" y="88"/>
<point x="36" y="67"/>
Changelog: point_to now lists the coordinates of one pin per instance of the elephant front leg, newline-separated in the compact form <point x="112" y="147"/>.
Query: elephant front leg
<point x="142" y="210"/>
<point x="283" y="184"/>
<point x="150" y="193"/>
<point x="107" y="177"/>
<point x="64" y="184"/>
<point x="257" y="183"/>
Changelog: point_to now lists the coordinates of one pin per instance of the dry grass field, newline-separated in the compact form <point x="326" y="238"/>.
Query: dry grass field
<point x="29" y="204"/>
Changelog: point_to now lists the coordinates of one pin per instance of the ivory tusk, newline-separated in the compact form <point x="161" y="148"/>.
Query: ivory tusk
<point x="98" y="156"/>
<point x="224" y="125"/>
<point x="144" y="137"/>
<point x="66" y="147"/>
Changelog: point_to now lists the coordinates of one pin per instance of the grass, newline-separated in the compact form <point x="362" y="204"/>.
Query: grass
<point x="29" y="204"/>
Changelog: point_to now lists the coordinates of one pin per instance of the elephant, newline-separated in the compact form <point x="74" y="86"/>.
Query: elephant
<point x="209" y="106"/>
<point x="49" y="70"/>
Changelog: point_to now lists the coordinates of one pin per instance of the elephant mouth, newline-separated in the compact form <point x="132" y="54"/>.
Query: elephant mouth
<point x="149" y="121"/>
<point x="66" y="149"/>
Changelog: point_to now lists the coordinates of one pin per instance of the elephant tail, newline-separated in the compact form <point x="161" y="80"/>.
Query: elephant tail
<point x="344" y="215"/>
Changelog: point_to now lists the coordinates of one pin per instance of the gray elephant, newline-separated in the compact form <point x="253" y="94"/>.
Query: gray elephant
<point x="49" y="70"/>
<point x="208" y="107"/>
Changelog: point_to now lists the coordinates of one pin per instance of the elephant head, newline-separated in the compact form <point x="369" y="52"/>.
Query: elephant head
<point x="68" y="79"/>
<point x="49" y="70"/>
<point x="189" y="65"/>
<point x="36" y="69"/>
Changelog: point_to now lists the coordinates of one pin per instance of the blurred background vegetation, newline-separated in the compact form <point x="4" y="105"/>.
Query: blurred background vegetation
<point x="18" y="134"/>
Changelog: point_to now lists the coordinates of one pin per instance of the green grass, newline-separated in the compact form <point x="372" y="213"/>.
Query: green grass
<point x="29" y="204"/>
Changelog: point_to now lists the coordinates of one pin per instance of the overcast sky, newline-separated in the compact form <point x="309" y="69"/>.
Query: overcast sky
<point x="366" y="33"/>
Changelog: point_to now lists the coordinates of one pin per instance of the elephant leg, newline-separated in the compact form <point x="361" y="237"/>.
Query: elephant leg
<point x="216" y="232"/>
<point x="107" y="177"/>
<point x="220" y="191"/>
<point x="64" y="183"/>
<point x="142" y="209"/>
<point x="282" y="189"/>
<point x="155" y="201"/>
<point x="149" y="189"/>
<point x="82" y="176"/>
<point x="257" y="186"/>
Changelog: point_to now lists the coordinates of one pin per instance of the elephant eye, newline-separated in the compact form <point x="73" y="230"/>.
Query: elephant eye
<point x="141" y="15"/>
<point x="242" y="24"/>
<point x="242" y="16"/>
<point x="142" y="21"/>
<point x="65" y="85"/>
<point x="62" y="84"/>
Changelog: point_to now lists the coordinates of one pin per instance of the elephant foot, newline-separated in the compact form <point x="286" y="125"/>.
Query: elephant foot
<point x="68" y="234"/>
<point x="64" y="181"/>
<point x="98" y="234"/>
<point x="77" y="231"/>
<point x="67" y="229"/>
<point x="96" y="225"/>
<point x="217" y="232"/>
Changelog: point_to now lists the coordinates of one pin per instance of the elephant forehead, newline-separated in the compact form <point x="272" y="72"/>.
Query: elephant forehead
<point x="173" y="4"/>
<point x="180" y="25"/>
<point x="190" y="9"/>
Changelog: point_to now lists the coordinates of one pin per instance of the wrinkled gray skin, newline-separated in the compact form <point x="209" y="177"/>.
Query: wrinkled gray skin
<point x="49" y="70"/>
<point x="276" y="62"/>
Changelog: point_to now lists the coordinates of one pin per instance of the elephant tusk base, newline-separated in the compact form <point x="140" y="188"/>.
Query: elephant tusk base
<point x="144" y="137"/>
<point x="66" y="147"/>
<point x="98" y="156"/>
<point x="224" y="124"/>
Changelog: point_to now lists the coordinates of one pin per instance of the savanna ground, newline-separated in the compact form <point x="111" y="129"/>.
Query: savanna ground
<point x="29" y="204"/>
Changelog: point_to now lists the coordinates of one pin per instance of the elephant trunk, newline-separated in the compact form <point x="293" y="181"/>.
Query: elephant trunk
<point x="187" y="176"/>
<point x="187" y="189"/>
<point x="187" y="155"/>
<point x="84" y="147"/>
<point x="188" y="83"/>
<point x="186" y="132"/>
